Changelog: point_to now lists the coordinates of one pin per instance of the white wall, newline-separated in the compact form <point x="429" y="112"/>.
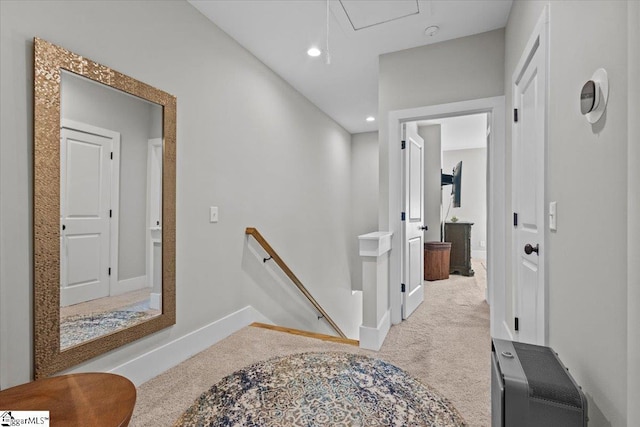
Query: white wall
<point x="633" y="298"/>
<point x="247" y="142"/>
<point x="587" y="175"/>
<point x="456" y="70"/>
<point x="364" y="195"/>
<point x="473" y="197"/>
<point x="432" y="180"/>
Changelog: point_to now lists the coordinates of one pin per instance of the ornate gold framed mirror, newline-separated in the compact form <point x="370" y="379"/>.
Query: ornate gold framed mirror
<point x="104" y="209"/>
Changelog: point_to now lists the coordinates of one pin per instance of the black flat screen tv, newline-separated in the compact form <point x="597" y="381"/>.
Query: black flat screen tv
<point x="457" y="184"/>
<point x="455" y="180"/>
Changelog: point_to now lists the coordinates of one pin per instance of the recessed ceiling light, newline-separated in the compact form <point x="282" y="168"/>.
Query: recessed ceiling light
<point x="370" y="119"/>
<point x="314" y="51"/>
<point x="431" y="31"/>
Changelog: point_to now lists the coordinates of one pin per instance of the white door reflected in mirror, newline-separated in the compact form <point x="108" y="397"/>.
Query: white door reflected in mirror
<point x="110" y="210"/>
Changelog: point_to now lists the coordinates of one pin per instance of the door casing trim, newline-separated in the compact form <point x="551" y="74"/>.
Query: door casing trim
<point x="496" y="207"/>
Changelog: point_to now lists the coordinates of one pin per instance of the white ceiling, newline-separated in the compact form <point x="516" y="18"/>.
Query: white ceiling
<point x="279" y="33"/>
<point x="461" y="132"/>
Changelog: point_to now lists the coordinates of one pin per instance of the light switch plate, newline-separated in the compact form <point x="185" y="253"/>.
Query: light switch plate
<point x="553" y="216"/>
<point x="213" y="214"/>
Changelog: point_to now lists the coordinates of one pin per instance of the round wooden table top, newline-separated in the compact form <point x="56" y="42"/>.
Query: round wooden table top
<point x="89" y="399"/>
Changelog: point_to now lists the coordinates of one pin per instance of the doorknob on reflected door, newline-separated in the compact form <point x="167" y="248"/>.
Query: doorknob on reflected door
<point x="528" y="249"/>
<point x="423" y="227"/>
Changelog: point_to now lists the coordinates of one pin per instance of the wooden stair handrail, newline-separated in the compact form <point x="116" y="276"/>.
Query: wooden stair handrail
<point x="272" y="253"/>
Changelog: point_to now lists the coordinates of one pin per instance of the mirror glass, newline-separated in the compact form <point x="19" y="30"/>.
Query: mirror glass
<point x="110" y="209"/>
<point x="104" y="197"/>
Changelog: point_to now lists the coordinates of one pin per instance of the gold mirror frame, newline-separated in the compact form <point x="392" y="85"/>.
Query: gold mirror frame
<point x="49" y="60"/>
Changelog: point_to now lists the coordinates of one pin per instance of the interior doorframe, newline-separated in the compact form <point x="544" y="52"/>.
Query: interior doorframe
<point x="114" y="194"/>
<point x="153" y="236"/>
<point x="538" y="40"/>
<point x="496" y="207"/>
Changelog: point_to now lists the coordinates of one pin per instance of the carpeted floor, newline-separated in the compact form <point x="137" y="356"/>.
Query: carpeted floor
<point x="445" y="344"/>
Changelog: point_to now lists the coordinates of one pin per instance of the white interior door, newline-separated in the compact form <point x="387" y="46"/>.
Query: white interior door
<point x="85" y="187"/>
<point x="413" y="224"/>
<point x="529" y="200"/>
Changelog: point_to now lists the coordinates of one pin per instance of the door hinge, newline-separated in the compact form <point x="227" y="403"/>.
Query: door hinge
<point x="402" y="287"/>
<point x="515" y="115"/>
<point x="110" y="213"/>
<point x="403" y="145"/>
<point x="515" y="219"/>
<point x="516" y="324"/>
<point x="109" y="271"/>
<point x="112" y="155"/>
<point x="403" y="216"/>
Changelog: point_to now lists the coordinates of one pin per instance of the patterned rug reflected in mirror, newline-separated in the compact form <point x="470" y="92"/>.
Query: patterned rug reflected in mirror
<point x="321" y="389"/>
<point x="80" y="328"/>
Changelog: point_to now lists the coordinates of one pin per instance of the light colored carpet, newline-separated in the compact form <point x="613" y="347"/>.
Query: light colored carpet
<point x="445" y="344"/>
<point x="480" y="268"/>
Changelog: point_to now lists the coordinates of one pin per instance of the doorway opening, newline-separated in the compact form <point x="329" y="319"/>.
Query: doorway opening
<point x="493" y="108"/>
<point x="455" y="203"/>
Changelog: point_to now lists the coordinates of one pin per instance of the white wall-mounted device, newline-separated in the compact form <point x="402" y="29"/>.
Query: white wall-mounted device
<point x="594" y="96"/>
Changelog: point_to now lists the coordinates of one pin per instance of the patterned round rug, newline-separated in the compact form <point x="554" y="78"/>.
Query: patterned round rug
<point x="320" y="389"/>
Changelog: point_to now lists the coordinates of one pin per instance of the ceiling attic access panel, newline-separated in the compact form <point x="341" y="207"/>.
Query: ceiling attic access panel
<point x="363" y="15"/>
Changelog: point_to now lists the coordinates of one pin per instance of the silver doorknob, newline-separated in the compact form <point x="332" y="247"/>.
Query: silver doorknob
<point x="528" y="249"/>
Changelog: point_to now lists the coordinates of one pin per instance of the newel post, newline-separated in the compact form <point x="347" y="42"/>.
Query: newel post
<point x="376" y="315"/>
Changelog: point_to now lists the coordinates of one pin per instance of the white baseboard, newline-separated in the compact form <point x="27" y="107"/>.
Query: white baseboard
<point x="129" y="285"/>
<point x="158" y="360"/>
<point x="372" y="338"/>
<point x="155" y="301"/>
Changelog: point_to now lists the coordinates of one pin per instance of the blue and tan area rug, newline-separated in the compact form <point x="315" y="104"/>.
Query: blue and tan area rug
<point x="77" y="329"/>
<point x="321" y="389"/>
